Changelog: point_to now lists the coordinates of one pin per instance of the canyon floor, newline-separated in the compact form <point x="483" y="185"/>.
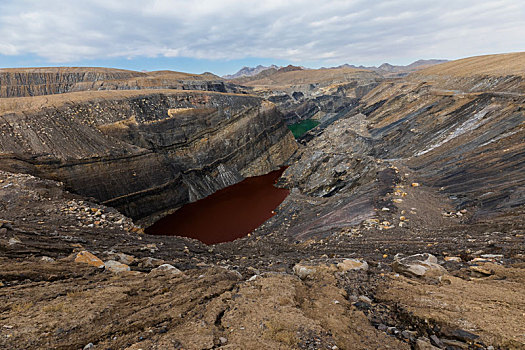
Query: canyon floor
<point x="373" y="249"/>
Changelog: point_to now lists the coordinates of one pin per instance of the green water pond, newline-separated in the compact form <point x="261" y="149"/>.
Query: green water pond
<point x="299" y="129"/>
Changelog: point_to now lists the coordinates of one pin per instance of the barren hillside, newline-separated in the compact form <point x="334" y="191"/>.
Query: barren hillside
<point x="404" y="227"/>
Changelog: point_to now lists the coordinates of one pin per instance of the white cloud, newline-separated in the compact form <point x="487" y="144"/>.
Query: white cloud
<point x="298" y="30"/>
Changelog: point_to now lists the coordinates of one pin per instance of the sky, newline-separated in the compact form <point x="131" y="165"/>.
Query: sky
<point x="222" y="36"/>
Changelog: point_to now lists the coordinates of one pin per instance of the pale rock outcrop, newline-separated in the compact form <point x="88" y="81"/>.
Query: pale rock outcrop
<point x="418" y="265"/>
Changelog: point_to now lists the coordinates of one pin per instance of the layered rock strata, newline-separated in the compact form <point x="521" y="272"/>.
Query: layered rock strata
<point x="318" y="94"/>
<point x="21" y="82"/>
<point x="143" y="151"/>
<point x="465" y="143"/>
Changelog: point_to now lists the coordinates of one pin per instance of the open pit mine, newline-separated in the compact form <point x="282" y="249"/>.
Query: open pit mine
<point x="295" y="208"/>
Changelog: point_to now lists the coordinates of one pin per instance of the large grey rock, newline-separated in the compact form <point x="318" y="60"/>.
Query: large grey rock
<point x="150" y="262"/>
<point x="125" y="258"/>
<point x="303" y="271"/>
<point x="424" y="344"/>
<point x="13" y="241"/>
<point x="418" y="265"/>
<point x="115" y="266"/>
<point x="167" y="268"/>
<point x="352" y="264"/>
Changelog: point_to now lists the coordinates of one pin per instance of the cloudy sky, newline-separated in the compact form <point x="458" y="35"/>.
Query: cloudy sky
<point x="223" y="35"/>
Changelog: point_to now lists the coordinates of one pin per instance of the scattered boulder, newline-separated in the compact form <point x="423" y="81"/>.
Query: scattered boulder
<point x="47" y="259"/>
<point x="303" y="271"/>
<point x="424" y="344"/>
<point x="13" y="241"/>
<point x="418" y="265"/>
<point x="88" y="258"/>
<point x="352" y="264"/>
<point x="453" y="258"/>
<point x="233" y="272"/>
<point x="455" y="344"/>
<point x="150" y="262"/>
<point x="365" y="299"/>
<point x="464" y="336"/>
<point x="167" y="268"/>
<point x="436" y="341"/>
<point x="116" y="267"/>
<point x="382" y="327"/>
<point x="152" y="247"/>
<point x="361" y="305"/>
<point x="125" y="258"/>
<point x="482" y="270"/>
<point x="6" y="224"/>
<point x="492" y="256"/>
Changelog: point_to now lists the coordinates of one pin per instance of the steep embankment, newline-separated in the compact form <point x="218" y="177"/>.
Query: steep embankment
<point x="143" y="151"/>
<point x="462" y="129"/>
<point x="20" y="82"/>
<point x="466" y="147"/>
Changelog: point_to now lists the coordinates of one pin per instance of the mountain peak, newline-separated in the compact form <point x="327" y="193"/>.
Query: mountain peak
<point x="249" y="71"/>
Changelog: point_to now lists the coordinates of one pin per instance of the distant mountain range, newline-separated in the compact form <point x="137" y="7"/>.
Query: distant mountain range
<point x="249" y="71"/>
<point x="389" y="69"/>
<point x="385" y="69"/>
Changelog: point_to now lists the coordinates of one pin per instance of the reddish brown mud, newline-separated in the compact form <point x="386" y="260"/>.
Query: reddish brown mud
<point x="227" y="214"/>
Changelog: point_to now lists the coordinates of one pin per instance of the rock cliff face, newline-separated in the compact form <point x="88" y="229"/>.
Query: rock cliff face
<point x="20" y="82"/>
<point x="143" y="151"/>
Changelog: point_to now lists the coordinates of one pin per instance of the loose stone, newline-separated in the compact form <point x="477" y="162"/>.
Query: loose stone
<point x="88" y="258"/>
<point x="168" y="268"/>
<point x="116" y="267"/>
<point x="352" y="264"/>
<point x="418" y="265"/>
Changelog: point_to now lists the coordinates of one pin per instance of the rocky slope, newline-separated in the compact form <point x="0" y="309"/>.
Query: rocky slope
<point x="405" y="226"/>
<point x="314" y="93"/>
<point x="467" y="147"/>
<point x="20" y="82"/>
<point x="143" y="151"/>
<point x="255" y="292"/>
<point x="497" y="74"/>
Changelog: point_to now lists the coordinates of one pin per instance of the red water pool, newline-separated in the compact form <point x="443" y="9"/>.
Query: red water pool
<point x="228" y="214"/>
